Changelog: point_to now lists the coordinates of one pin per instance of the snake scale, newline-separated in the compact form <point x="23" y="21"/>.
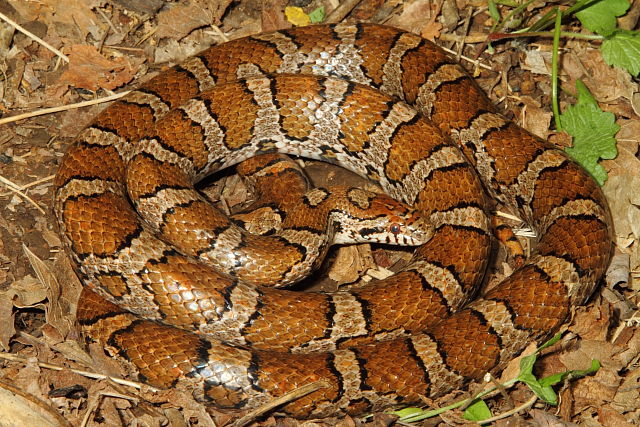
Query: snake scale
<point x="339" y="93"/>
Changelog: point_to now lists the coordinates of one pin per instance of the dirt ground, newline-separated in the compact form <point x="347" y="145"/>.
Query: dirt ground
<point x="113" y="44"/>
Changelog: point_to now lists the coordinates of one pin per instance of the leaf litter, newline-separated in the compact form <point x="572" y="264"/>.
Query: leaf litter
<point x="112" y="44"/>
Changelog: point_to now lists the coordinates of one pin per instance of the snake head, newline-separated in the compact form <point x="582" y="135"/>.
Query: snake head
<point x="378" y="218"/>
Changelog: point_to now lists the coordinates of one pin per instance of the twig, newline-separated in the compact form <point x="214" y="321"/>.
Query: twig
<point x="17" y="358"/>
<point x="475" y="62"/>
<point x="285" y="398"/>
<point x="62" y="108"/>
<point x="513" y="411"/>
<point x="15" y="188"/>
<point x="340" y="12"/>
<point x="34" y="37"/>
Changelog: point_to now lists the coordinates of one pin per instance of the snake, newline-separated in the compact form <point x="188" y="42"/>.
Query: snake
<point x="391" y="107"/>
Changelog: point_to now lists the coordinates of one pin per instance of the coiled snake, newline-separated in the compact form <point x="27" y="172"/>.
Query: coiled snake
<point x="376" y="346"/>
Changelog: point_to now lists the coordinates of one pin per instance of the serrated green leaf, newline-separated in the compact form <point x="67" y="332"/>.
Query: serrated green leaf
<point x="622" y="49"/>
<point x="593" y="132"/>
<point x="600" y="17"/>
<point x="318" y="15"/>
<point x="477" y="411"/>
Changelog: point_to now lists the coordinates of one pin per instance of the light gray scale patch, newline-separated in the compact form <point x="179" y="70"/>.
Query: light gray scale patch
<point x="316" y="196"/>
<point x="325" y="117"/>
<point x="474" y="134"/>
<point x="158" y="152"/>
<point x="441" y="378"/>
<point x="381" y="138"/>
<point x="225" y="244"/>
<point x="501" y="320"/>
<point x="526" y="182"/>
<point x="468" y="216"/>
<point x="392" y="70"/>
<point x="245" y="301"/>
<point x="106" y="139"/>
<point x="153" y="208"/>
<point x="289" y="52"/>
<point x="415" y="180"/>
<point x="337" y="65"/>
<point x="247" y="71"/>
<point x="159" y="107"/>
<point x="572" y="208"/>
<point x="348" y="320"/>
<point x="266" y="125"/>
<point x="562" y="271"/>
<point x="202" y="74"/>
<point x="197" y="111"/>
<point x="359" y="197"/>
<point x="230" y="366"/>
<point x="346" y="363"/>
<point x="426" y="93"/>
<point x="441" y="279"/>
<point x="79" y="187"/>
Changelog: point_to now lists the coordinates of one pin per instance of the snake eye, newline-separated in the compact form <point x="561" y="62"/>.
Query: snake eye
<point x="394" y="228"/>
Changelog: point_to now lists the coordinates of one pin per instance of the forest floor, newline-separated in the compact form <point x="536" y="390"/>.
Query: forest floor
<point x="112" y="45"/>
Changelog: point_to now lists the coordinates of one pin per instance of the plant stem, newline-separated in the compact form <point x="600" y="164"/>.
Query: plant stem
<point x="554" y="70"/>
<point x="564" y="34"/>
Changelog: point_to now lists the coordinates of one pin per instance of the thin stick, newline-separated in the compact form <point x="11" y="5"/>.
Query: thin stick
<point x="17" y="358"/>
<point x="16" y="189"/>
<point x="286" y="398"/>
<point x="466" y="58"/>
<point x="29" y="34"/>
<point x="513" y="411"/>
<point x="340" y="12"/>
<point x="62" y="108"/>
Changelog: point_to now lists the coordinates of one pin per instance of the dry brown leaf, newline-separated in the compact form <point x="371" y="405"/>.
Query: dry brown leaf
<point x="350" y="263"/>
<point x="58" y="316"/>
<point x="180" y="19"/>
<point x="26" y="292"/>
<point x="6" y="319"/>
<point x="629" y="394"/>
<point x="73" y="13"/>
<point x="18" y="411"/>
<point x="414" y="15"/>
<point x="537" y="61"/>
<point x="534" y="118"/>
<point x="598" y="389"/>
<point x="272" y="16"/>
<point x="606" y="83"/>
<point x="431" y="31"/>
<point x="88" y="69"/>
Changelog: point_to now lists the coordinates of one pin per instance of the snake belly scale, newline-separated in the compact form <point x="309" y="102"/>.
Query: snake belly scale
<point x="235" y="344"/>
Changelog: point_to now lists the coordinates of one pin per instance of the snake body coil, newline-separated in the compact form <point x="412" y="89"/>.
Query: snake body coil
<point x="376" y="346"/>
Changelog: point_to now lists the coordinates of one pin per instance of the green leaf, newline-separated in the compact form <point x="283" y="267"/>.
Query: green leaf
<point x="477" y="411"/>
<point x="407" y="412"/>
<point x="622" y="49"/>
<point x="554" y="339"/>
<point x="600" y="16"/>
<point x="317" y="15"/>
<point x="593" y="132"/>
<point x="493" y="12"/>
<point x="556" y="378"/>
<point x="543" y="391"/>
